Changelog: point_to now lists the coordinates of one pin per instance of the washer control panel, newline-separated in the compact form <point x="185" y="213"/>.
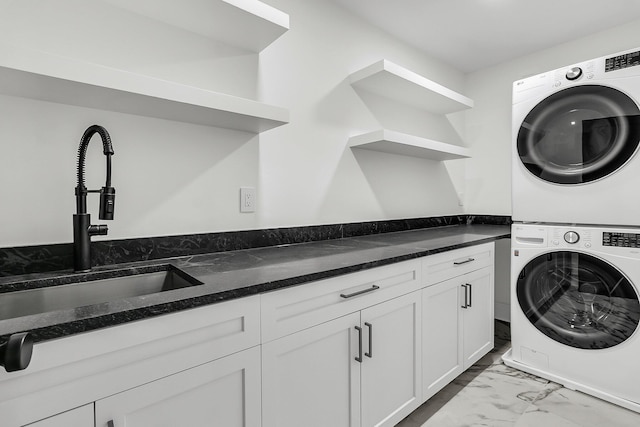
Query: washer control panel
<point x="571" y="237"/>
<point x="567" y="237"/>
<point x="621" y="240"/>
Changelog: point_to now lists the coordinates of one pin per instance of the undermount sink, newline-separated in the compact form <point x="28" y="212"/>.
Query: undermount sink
<point x="63" y="293"/>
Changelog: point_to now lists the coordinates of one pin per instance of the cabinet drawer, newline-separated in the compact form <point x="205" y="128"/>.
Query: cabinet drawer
<point x="294" y="309"/>
<point x="446" y="265"/>
<point x="72" y="371"/>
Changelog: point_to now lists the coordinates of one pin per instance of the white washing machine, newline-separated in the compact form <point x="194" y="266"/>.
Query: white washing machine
<point x="575" y="308"/>
<point x="575" y="133"/>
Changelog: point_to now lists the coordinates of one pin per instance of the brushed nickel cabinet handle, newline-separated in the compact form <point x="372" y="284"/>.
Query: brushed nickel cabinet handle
<point x="370" y="326"/>
<point x="466" y="301"/>
<point x="364" y="291"/>
<point x="359" y="356"/>
<point x="463" y="262"/>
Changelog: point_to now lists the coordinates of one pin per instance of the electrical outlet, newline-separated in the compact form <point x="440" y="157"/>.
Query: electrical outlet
<point x="247" y="199"/>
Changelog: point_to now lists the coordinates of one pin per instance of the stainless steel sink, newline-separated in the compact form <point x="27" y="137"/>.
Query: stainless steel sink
<point x="63" y="294"/>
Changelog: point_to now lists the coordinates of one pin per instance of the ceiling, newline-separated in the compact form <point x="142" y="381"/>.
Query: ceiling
<point x="475" y="34"/>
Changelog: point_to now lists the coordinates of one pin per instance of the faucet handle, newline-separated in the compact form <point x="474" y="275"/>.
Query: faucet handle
<point x="107" y="202"/>
<point x="98" y="230"/>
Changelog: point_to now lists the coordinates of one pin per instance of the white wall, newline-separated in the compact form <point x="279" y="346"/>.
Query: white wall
<point x="307" y="174"/>
<point x="177" y="178"/>
<point x="488" y="124"/>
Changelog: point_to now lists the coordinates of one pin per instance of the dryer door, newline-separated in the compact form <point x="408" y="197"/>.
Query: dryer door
<point x="579" y="134"/>
<point x="578" y="300"/>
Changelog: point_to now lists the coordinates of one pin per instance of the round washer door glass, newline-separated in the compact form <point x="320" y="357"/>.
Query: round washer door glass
<point x="578" y="300"/>
<point x="579" y="134"/>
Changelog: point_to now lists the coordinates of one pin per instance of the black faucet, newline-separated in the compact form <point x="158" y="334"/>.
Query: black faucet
<point x="82" y="228"/>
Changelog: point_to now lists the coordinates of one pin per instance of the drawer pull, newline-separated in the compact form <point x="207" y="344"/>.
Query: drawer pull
<point x="359" y="356"/>
<point x="463" y="262"/>
<point x="364" y="291"/>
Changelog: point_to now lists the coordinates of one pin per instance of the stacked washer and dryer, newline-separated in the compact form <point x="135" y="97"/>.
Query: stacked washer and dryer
<point x="575" y="259"/>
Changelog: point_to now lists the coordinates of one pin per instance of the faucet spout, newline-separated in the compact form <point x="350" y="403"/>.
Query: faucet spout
<point x="82" y="228"/>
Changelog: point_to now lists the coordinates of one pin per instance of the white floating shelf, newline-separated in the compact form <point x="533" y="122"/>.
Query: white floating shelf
<point x="42" y="76"/>
<point x="392" y="142"/>
<point x="393" y="81"/>
<point x="248" y="24"/>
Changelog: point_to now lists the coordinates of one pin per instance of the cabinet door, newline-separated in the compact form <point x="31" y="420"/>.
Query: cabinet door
<point x="478" y="316"/>
<point x="311" y="378"/>
<point x="441" y="336"/>
<point x="391" y="365"/>
<point x="225" y="392"/>
<point x="79" y="417"/>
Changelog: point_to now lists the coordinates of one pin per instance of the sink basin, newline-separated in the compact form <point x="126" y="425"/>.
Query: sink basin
<point x="63" y="293"/>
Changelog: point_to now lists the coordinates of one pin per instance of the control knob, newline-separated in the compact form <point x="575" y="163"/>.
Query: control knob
<point x="571" y="237"/>
<point x="574" y="73"/>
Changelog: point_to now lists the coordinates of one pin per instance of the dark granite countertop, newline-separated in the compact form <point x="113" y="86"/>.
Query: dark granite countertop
<point x="235" y="274"/>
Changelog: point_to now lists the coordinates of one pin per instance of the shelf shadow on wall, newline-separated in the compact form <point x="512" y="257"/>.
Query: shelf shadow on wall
<point x="190" y="177"/>
<point x="392" y="186"/>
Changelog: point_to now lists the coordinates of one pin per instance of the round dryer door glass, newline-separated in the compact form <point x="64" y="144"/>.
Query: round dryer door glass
<point x="579" y="134"/>
<point x="578" y="300"/>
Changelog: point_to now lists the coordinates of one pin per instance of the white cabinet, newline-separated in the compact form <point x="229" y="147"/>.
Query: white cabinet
<point x="447" y="265"/>
<point x="310" y="378"/>
<point x="79" y="417"/>
<point x="441" y="337"/>
<point x="353" y="368"/>
<point x="477" y="316"/>
<point x="362" y="349"/>
<point x="81" y="369"/>
<point x="362" y="369"/>
<point x="290" y="310"/>
<point x="457" y="314"/>
<point x="225" y="392"/>
<point x="391" y="366"/>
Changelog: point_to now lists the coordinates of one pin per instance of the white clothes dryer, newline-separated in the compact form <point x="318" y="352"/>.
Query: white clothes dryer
<point x="576" y="133"/>
<point x="575" y="308"/>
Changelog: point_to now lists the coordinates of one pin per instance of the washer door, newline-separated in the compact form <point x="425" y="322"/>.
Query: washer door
<point x="579" y="134"/>
<point x="578" y="300"/>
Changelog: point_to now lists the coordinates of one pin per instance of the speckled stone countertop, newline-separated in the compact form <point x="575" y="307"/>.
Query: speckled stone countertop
<point x="235" y="274"/>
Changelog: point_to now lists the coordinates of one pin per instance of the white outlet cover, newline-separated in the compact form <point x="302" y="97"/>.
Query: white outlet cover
<point x="247" y="199"/>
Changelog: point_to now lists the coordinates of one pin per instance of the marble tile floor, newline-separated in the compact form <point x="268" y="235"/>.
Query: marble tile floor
<point x="494" y="395"/>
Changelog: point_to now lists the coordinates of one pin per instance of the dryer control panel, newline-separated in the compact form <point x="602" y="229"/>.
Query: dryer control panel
<point x="621" y="240"/>
<point x="622" y="61"/>
<point x="597" y="71"/>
